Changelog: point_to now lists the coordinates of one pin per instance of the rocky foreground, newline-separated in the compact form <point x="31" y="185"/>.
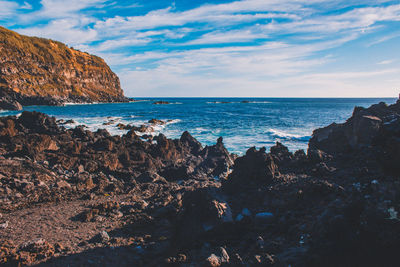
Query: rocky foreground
<point x="80" y="198"/>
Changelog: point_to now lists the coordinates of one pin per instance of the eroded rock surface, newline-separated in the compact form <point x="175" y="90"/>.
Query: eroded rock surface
<point x="38" y="71"/>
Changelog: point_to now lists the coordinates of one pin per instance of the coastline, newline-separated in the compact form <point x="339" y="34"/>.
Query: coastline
<point x="242" y="125"/>
<point x="177" y="202"/>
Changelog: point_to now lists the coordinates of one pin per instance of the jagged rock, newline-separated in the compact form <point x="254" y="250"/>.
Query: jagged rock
<point x="203" y="210"/>
<point x="253" y="168"/>
<point x="194" y="145"/>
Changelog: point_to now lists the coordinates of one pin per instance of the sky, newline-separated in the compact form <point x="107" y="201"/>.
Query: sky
<point x="222" y="48"/>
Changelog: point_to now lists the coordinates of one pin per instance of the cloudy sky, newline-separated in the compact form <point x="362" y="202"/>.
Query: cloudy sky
<point x="271" y="48"/>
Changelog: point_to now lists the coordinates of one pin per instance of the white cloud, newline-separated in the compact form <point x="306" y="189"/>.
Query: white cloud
<point x="356" y="84"/>
<point x="69" y="31"/>
<point x="302" y="32"/>
<point x="7" y="9"/>
<point x="385" y="38"/>
<point x="62" y="8"/>
<point x="234" y="36"/>
<point x="386" y="62"/>
<point x="26" y="6"/>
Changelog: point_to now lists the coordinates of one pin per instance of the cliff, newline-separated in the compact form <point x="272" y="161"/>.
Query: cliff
<point x="42" y="71"/>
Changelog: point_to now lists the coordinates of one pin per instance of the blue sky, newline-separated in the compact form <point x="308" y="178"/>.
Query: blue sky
<point x="262" y="48"/>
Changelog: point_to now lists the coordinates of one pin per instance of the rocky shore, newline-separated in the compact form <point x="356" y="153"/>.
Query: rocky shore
<point x="71" y="197"/>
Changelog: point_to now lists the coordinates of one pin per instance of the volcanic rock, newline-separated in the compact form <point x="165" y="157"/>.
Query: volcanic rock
<point x="38" y="71"/>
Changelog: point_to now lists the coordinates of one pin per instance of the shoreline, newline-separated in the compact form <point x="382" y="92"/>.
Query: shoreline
<point x="251" y="129"/>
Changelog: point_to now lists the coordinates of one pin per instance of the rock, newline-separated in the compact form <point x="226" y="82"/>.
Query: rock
<point x="150" y="177"/>
<point x="32" y="245"/>
<point x="62" y="184"/>
<point x="103" y="237"/>
<point x="166" y="196"/>
<point x="32" y="77"/>
<point x="4" y="225"/>
<point x="9" y="104"/>
<point x="213" y="261"/>
<point x="188" y="140"/>
<point x="203" y="211"/>
<point x="161" y="103"/>
<point x="222" y="258"/>
<point x="253" y="168"/>
<point x="81" y="169"/>
<point x="224" y="212"/>
<point x="157" y="122"/>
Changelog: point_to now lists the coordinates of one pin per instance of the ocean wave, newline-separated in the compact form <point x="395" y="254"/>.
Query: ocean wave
<point x="173" y="121"/>
<point x="219" y="102"/>
<point x="79" y="104"/>
<point x="109" y="123"/>
<point x="238" y="102"/>
<point x="258" y="102"/>
<point x="288" y="136"/>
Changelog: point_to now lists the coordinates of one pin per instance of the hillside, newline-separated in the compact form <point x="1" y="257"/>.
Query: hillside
<point x="42" y="71"/>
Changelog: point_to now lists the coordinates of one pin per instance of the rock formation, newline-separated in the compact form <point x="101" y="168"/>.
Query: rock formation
<point x="77" y="198"/>
<point x="37" y="71"/>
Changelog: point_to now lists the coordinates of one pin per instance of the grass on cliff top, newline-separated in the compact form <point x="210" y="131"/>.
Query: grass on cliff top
<point x="45" y="50"/>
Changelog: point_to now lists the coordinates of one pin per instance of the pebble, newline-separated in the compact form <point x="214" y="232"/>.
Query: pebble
<point x="4" y="225"/>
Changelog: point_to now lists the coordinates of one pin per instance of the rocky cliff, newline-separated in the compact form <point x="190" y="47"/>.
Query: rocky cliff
<point x="42" y="71"/>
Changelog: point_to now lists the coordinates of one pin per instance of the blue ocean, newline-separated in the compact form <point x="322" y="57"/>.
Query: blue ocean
<point x="242" y="122"/>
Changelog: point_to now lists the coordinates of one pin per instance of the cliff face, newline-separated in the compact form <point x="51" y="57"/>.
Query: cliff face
<point x="35" y="70"/>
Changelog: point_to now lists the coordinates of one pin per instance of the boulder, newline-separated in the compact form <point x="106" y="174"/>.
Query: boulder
<point x="250" y="170"/>
<point x="10" y="104"/>
<point x="157" y="122"/>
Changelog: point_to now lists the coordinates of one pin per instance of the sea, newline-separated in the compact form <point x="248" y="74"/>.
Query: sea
<point x="242" y="122"/>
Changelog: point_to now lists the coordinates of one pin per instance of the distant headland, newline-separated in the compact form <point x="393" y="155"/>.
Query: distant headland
<point x="38" y="71"/>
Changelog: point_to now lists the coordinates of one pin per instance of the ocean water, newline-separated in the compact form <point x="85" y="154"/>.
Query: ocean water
<point x="242" y="122"/>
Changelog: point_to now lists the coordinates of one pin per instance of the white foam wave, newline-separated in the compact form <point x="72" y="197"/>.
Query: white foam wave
<point x="81" y="104"/>
<point x="219" y="102"/>
<point x="288" y="136"/>
<point x="110" y="124"/>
